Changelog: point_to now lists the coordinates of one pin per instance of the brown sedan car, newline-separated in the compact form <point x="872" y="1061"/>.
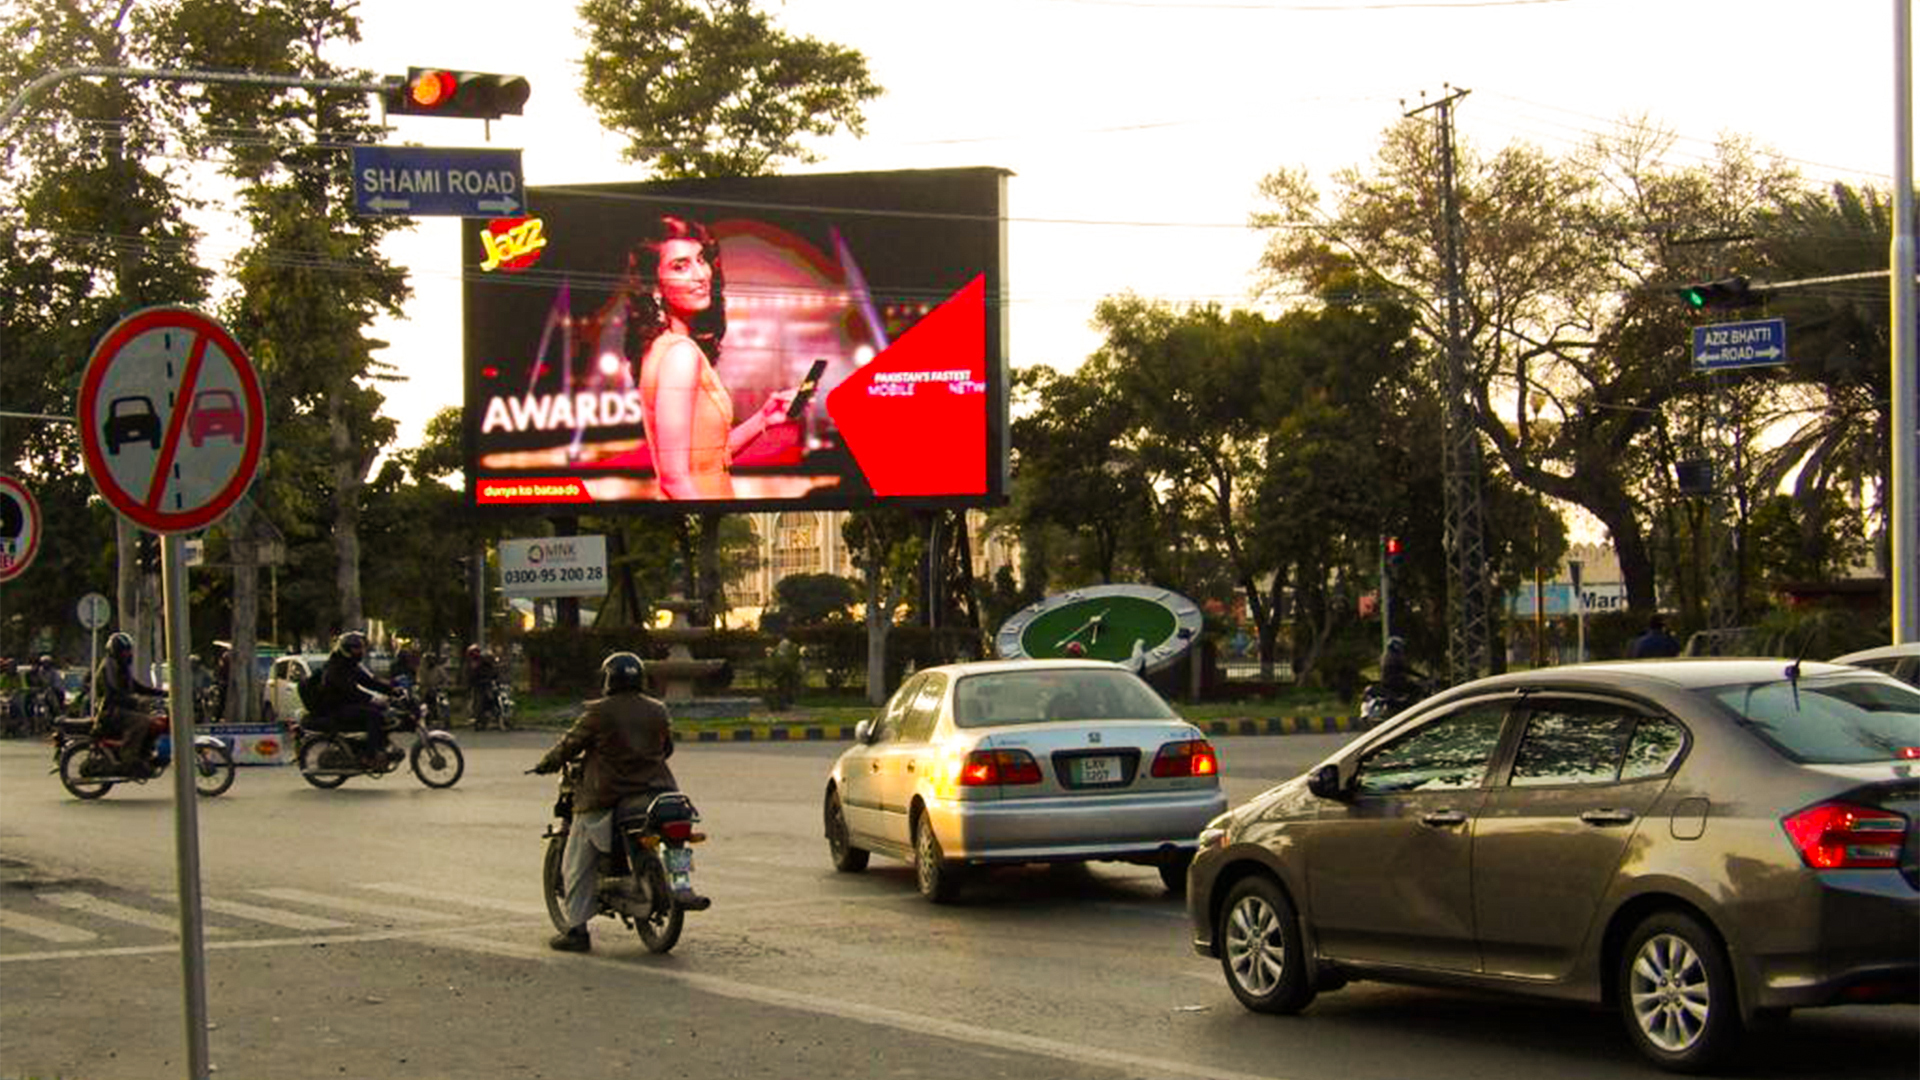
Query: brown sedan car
<point x="1704" y="843"/>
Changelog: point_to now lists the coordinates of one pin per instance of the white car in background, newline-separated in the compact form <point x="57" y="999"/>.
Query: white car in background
<point x="281" y="698"/>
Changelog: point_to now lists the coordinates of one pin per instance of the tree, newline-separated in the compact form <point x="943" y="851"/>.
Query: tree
<point x="1566" y="305"/>
<point x="809" y="599"/>
<point x="886" y="546"/>
<point x="713" y="88"/>
<point x="95" y="227"/>
<point x="312" y="279"/>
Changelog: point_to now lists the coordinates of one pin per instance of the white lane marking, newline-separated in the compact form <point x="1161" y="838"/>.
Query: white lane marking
<point x="348" y="903"/>
<point x="868" y="1013"/>
<point x="45" y="929"/>
<point x="288" y="920"/>
<point x="437" y="896"/>
<point x="305" y="942"/>
<point x="88" y="904"/>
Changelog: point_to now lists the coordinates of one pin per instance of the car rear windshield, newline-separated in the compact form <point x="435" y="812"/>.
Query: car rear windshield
<point x="1831" y="720"/>
<point x="1058" y="694"/>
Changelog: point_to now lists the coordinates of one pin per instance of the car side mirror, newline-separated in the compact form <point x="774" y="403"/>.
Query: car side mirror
<point x="863" y="731"/>
<point x="1325" y="782"/>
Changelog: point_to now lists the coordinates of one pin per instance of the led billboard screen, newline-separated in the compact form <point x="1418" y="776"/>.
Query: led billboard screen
<point x="826" y="342"/>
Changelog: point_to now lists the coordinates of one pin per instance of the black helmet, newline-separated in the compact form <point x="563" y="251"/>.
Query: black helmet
<point x="120" y="646"/>
<point x="622" y="672"/>
<point x="353" y="643"/>
<point x="1396" y="643"/>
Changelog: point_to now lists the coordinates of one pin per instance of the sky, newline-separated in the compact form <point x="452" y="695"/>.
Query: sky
<point x="1137" y="131"/>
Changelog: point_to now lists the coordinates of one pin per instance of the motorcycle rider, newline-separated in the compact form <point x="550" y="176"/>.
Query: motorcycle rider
<point x="119" y="714"/>
<point x="345" y="701"/>
<point x="626" y="738"/>
<point x="482" y="672"/>
<point x="46" y="679"/>
<point x="1398" y="680"/>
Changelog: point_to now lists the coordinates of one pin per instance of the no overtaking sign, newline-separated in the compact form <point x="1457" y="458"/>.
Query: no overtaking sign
<point x="171" y="419"/>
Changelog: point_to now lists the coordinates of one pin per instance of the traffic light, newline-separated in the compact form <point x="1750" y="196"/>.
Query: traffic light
<point x="1396" y="555"/>
<point x="469" y="95"/>
<point x="1722" y="295"/>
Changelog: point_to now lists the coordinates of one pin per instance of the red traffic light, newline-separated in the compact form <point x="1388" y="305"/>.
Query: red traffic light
<point x="473" y="95"/>
<point x="430" y="89"/>
<point x="1393" y="547"/>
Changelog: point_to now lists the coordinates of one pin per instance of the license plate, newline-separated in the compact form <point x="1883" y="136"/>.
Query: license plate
<point x="679" y="860"/>
<point x="1096" y="770"/>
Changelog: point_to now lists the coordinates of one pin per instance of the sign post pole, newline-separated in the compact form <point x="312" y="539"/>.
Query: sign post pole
<point x="186" y="822"/>
<point x="172" y="423"/>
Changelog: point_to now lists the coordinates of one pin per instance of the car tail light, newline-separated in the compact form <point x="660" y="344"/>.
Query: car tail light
<point x="986" y="767"/>
<point x="1842" y="836"/>
<point x="1193" y="757"/>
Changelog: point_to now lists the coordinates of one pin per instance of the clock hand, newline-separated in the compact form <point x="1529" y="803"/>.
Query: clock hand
<point x="1062" y="643"/>
<point x="1096" y="623"/>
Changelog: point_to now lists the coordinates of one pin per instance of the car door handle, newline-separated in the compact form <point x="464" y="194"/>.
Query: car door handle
<point x="1444" y="818"/>
<point x="873" y="766"/>
<point x="1607" y="817"/>
<point x="910" y="764"/>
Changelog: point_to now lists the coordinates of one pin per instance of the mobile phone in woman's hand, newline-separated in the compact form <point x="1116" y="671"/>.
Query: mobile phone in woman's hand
<point x="804" y="393"/>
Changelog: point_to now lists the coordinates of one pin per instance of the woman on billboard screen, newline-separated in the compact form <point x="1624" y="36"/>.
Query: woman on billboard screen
<point x="676" y="290"/>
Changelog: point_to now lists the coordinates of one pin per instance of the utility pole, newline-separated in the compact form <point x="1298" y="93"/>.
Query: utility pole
<point x="1469" y="629"/>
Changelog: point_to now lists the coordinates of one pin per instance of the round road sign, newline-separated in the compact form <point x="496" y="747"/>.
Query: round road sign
<point x="93" y="611"/>
<point x="19" y="528"/>
<point x="171" y="419"/>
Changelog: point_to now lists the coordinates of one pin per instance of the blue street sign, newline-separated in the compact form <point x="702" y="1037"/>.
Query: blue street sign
<point x="1760" y="343"/>
<point x="415" y="181"/>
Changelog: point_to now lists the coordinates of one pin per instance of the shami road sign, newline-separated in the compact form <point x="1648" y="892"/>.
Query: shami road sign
<point x="435" y="181"/>
<point x="1760" y="343"/>
<point x="19" y="528"/>
<point x="171" y="419"/>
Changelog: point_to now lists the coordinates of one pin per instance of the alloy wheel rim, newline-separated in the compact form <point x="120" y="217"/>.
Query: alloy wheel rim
<point x="1669" y="993"/>
<point x="1256" y="951"/>
<point x="923" y="866"/>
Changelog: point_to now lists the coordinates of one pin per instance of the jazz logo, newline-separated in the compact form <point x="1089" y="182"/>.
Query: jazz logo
<point x="512" y="244"/>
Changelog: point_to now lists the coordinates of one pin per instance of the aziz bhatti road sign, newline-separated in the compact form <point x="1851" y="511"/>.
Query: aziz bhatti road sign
<point x="19" y="528"/>
<point x="1759" y="343"/>
<point x="171" y="419"/>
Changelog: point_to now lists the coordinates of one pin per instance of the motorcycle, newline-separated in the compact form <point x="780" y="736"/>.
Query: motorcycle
<point x="494" y="703"/>
<point x="89" y="766"/>
<point x="1378" y="706"/>
<point x="647" y="880"/>
<point x="327" y="759"/>
<point x="439" y="713"/>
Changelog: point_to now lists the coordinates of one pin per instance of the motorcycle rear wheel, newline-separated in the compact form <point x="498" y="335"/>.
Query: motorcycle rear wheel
<point x="553" y="882"/>
<point x="660" y="932"/>
<point x="77" y="753"/>
<point x="327" y="755"/>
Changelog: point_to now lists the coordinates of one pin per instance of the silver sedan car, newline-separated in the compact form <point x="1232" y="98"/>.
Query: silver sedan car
<point x="1025" y="761"/>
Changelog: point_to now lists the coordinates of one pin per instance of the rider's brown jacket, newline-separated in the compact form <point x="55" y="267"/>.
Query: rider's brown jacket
<point x="626" y="739"/>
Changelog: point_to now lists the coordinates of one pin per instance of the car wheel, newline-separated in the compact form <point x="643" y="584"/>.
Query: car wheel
<point x="1262" y="950"/>
<point x="846" y="858"/>
<point x="938" y="879"/>
<point x="1676" y="993"/>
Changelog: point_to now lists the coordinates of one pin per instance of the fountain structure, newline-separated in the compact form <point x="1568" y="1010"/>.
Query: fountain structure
<point x="678" y="675"/>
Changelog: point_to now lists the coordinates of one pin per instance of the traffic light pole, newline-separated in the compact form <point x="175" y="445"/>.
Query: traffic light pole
<point x="1904" y="519"/>
<point x="27" y="92"/>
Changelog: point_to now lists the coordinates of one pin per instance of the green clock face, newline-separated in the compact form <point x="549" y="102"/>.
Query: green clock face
<point x="1104" y="622"/>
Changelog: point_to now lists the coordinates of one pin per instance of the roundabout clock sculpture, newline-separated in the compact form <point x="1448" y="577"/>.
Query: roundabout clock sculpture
<point x="1147" y="626"/>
